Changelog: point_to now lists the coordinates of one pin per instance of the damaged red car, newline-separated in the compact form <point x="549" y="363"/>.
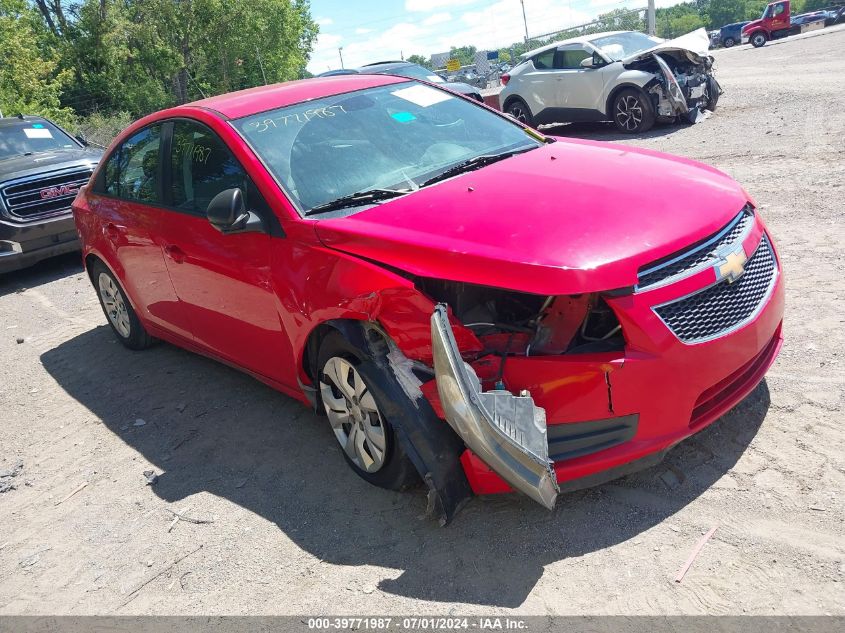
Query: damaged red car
<point x="470" y="303"/>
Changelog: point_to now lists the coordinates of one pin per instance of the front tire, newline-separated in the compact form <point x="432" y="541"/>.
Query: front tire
<point x="712" y="94"/>
<point x="759" y="39"/>
<point x="519" y="110"/>
<point x="121" y="316"/>
<point x="354" y="403"/>
<point x="633" y="112"/>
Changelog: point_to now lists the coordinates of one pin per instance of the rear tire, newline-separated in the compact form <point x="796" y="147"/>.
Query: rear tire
<point x="632" y="112"/>
<point x="119" y="313"/>
<point x="519" y="110"/>
<point x="349" y="383"/>
<point x="759" y="39"/>
<point x="729" y="42"/>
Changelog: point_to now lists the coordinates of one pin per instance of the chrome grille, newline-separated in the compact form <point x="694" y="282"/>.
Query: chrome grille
<point x="723" y="307"/>
<point x="43" y="196"/>
<point x="696" y="257"/>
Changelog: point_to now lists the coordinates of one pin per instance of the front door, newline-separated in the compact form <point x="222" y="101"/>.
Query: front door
<point x="223" y="281"/>
<point x="579" y="89"/>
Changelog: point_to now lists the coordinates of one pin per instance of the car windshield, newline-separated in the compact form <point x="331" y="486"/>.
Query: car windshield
<point x="394" y="137"/>
<point x="413" y="71"/>
<point x="622" y="45"/>
<point x="23" y="137"/>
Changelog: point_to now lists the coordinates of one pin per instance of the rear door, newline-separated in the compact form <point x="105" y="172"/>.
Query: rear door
<point x="222" y="281"/>
<point x="538" y="83"/>
<point x="127" y="199"/>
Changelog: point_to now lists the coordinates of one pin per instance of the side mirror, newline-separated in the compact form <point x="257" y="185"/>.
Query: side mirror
<point x="587" y="62"/>
<point x="227" y="213"/>
<point x="81" y="138"/>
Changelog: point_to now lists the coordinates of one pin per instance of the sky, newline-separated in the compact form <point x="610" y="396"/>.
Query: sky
<point x="379" y="30"/>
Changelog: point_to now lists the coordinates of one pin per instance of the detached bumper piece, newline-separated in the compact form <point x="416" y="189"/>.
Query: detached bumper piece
<point x="507" y="432"/>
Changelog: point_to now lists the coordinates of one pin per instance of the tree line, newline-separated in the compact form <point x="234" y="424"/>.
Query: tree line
<point x="75" y="60"/>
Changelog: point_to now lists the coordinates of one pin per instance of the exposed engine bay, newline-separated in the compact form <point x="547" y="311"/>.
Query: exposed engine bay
<point x="514" y="323"/>
<point x="683" y="84"/>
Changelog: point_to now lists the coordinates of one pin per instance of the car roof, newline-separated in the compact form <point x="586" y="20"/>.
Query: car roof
<point x="8" y="120"/>
<point x="234" y="105"/>
<point x="572" y="40"/>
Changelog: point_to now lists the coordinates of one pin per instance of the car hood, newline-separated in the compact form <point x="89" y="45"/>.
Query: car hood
<point x="570" y="217"/>
<point x="696" y="42"/>
<point x="753" y="24"/>
<point x="22" y="166"/>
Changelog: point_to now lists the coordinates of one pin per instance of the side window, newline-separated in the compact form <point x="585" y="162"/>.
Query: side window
<point x="131" y="172"/>
<point x="202" y="167"/>
<point x="137" y="167"/>
<point x="571" y="58"/>
<point x="545" y="60"/>
<point x="779" y="8"/>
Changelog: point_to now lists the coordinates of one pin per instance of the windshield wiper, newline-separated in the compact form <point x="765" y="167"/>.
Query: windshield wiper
<point x="356" y="199"/>
<point x="476" y="162"/>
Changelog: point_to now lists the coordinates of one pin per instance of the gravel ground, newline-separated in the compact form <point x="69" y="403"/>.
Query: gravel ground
<point x="293" y="531"/>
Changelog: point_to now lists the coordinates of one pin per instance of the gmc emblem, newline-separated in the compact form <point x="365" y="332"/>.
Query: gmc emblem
<point x="55" y="192"/>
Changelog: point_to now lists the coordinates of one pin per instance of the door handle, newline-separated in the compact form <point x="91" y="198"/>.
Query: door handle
<point x="175" y="253"/>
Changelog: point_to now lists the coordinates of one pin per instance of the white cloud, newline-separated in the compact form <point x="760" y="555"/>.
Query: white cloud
<point x="426" y="6"/>
<point x="360" y="31"/>
<point x="437" y="18"/>
<point x="324" y="21"/>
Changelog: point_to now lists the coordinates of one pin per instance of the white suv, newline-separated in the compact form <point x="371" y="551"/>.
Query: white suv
<point x="626" y="77"/>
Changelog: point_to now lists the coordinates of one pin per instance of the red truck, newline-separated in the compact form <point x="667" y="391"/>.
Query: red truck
<point x="777" y="22"/>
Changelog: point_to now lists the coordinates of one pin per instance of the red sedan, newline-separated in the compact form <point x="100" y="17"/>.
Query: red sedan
<point x="470" y="303"/>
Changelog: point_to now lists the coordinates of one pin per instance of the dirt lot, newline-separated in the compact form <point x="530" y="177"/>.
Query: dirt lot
<point x="294" y="531"/>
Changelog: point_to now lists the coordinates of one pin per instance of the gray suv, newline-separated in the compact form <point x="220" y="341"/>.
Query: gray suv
<point x="412" y="71"/>
<point x="42" y="168"/>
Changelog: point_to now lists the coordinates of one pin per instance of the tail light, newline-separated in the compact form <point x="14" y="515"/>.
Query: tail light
<point x="505" y="79"/>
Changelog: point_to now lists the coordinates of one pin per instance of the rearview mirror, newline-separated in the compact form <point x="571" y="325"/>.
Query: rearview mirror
<point x="227" y="213"/>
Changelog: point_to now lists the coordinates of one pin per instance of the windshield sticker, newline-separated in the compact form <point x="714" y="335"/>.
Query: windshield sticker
<point x="422" y="96"/>
<point x="37" y="126"/>
<point x="403" y="117"/>
<point x="37" y="132"/>
<point x="435" y="79"/>
<point x="299" y="118"/>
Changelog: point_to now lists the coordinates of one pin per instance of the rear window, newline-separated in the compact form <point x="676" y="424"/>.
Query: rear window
<point x="21" y="138"/>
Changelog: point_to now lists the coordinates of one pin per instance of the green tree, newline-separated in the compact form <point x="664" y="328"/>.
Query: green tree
<point x="724" y="12"/>
<point x="143" y="55"/>
<point x="679" y="19"/>
<point x="464" y="54"/>
<point x="419" y="59"/>
<point x="31" y="81"/>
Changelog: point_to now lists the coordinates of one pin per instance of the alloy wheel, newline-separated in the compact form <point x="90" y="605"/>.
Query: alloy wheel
<point x="114" y="305"/>
<point x="353" y="414"/>
<point x="629" y="112"/>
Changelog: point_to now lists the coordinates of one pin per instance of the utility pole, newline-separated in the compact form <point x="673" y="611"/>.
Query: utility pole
<point x="525" y="21"/>
<point x="260" y="65"/>
<point x="340" y="52"/>
<point x="651" y="28"/>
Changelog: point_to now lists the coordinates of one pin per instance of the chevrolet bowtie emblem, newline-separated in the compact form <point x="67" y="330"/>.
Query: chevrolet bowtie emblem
<point x="732" y="266"/>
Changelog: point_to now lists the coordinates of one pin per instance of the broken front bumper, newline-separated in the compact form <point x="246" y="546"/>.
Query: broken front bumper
<point x="508" y="432"/>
